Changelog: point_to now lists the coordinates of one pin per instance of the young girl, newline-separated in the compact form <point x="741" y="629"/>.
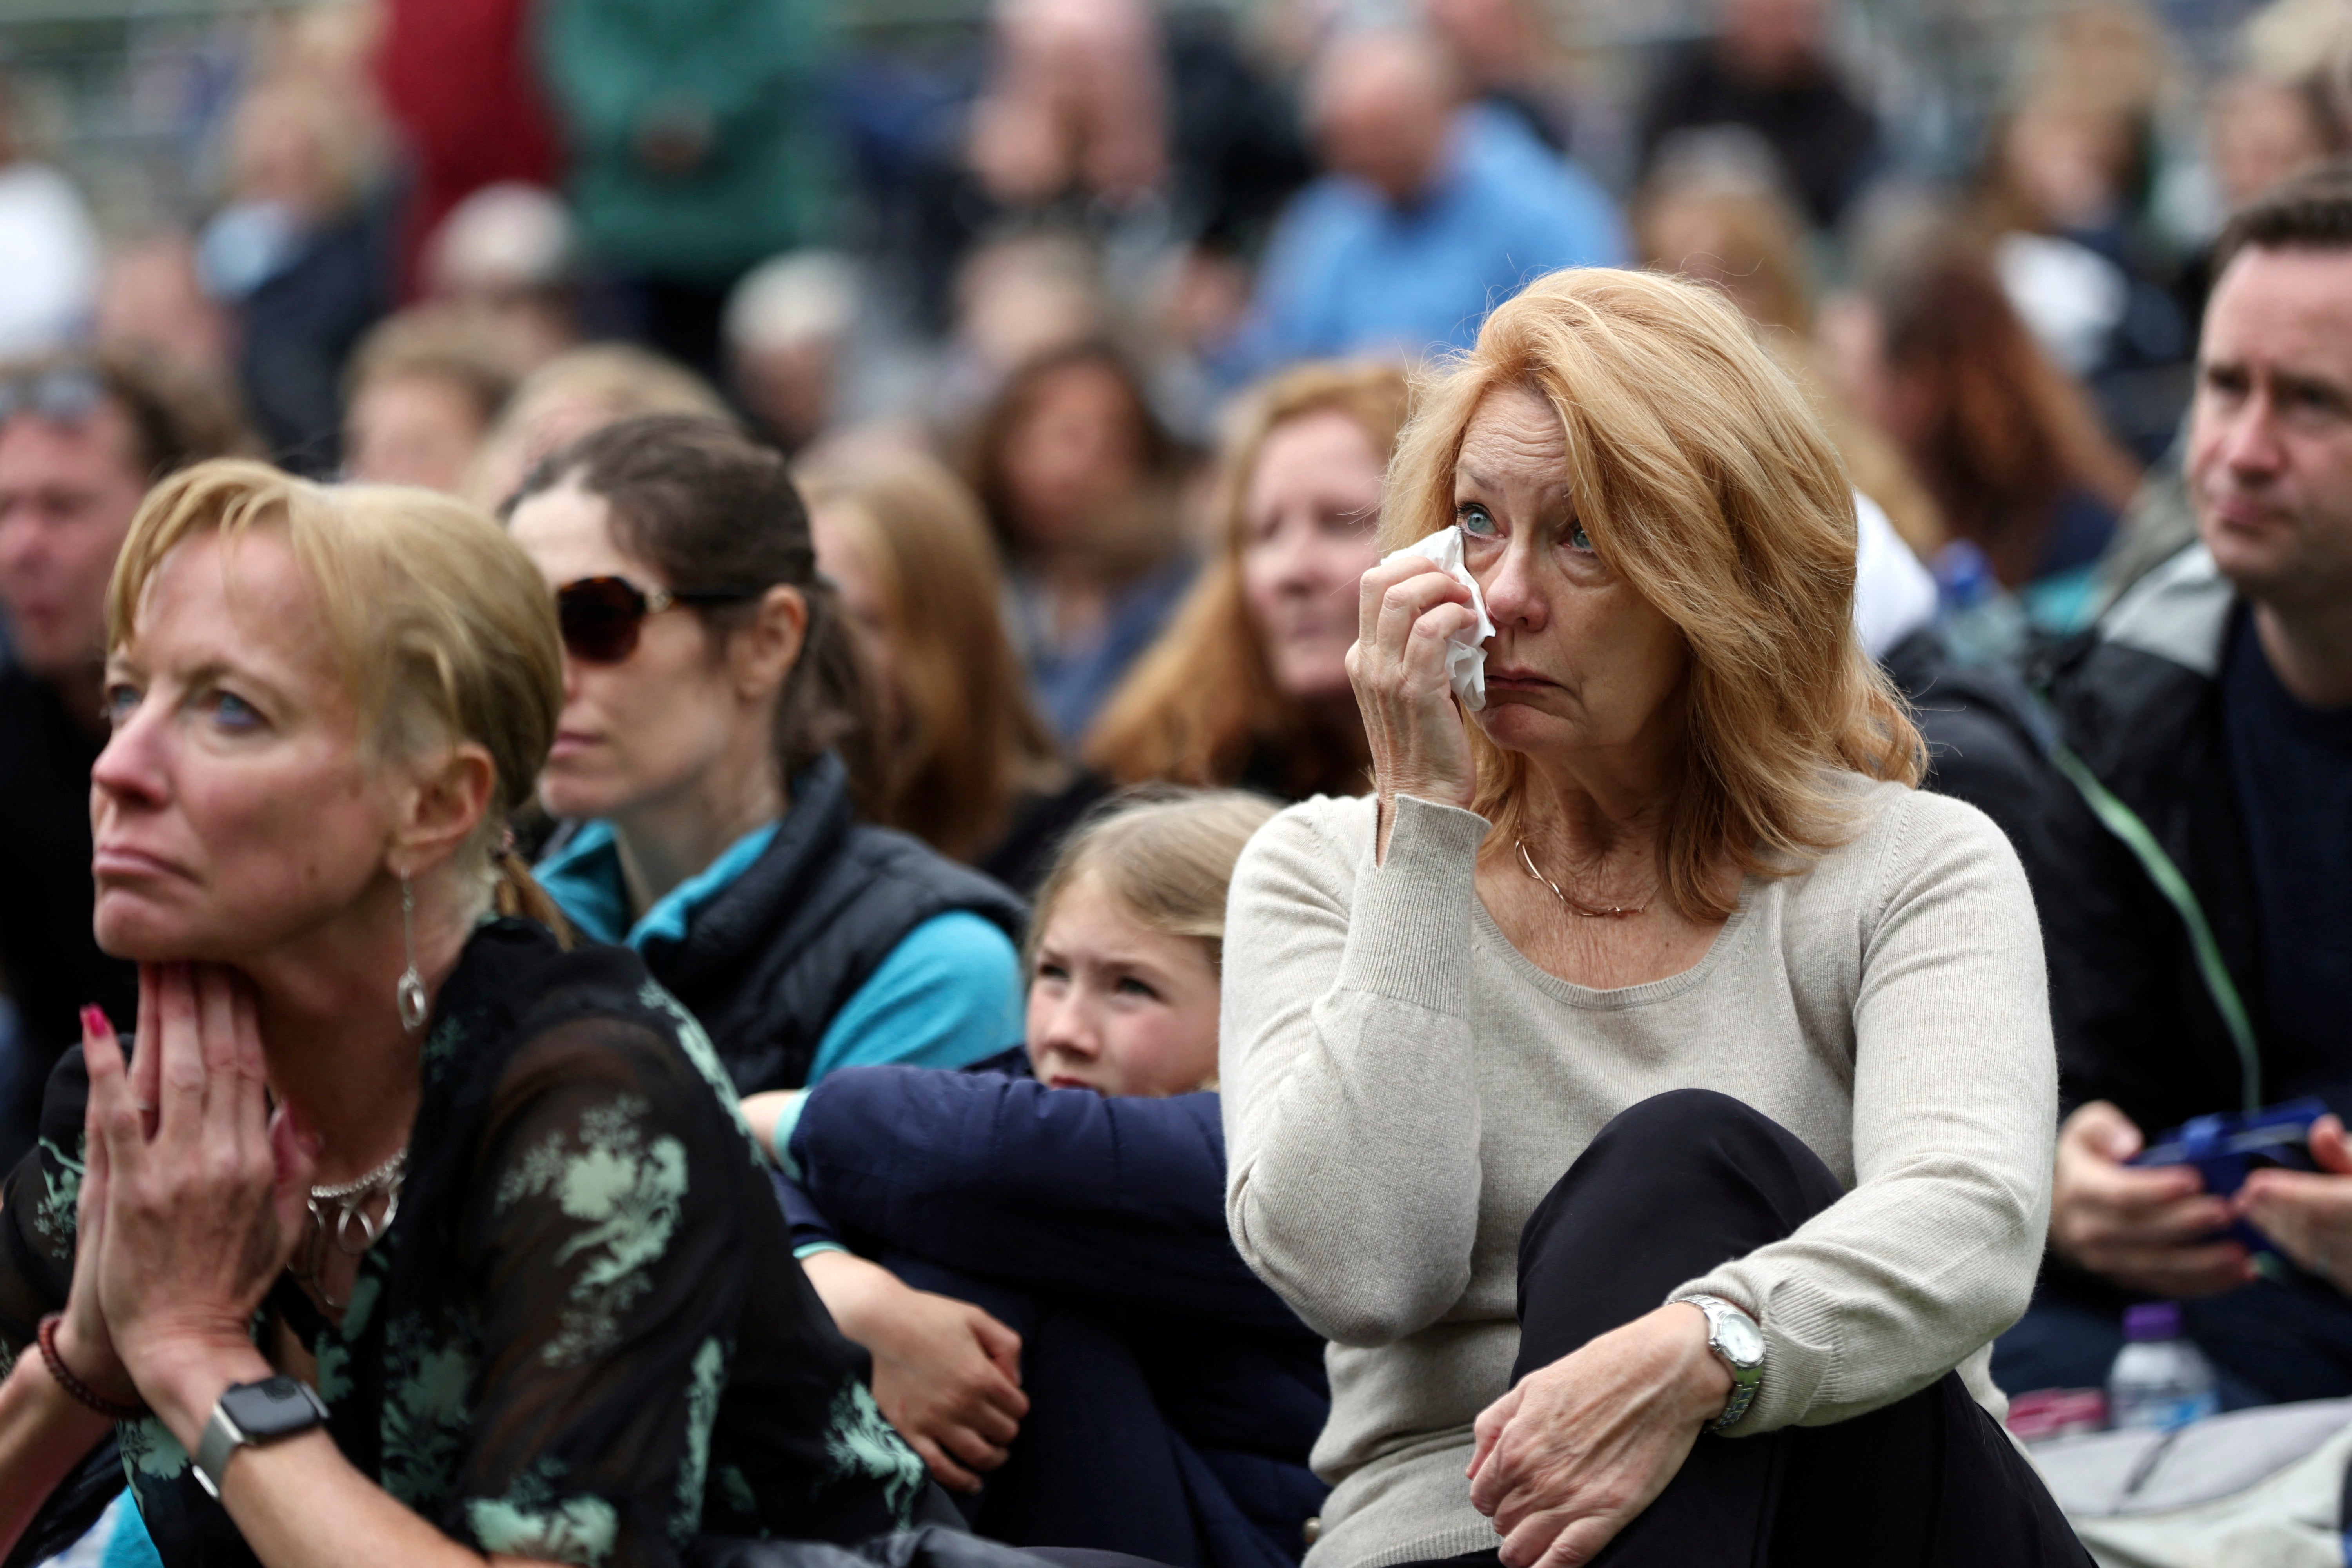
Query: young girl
<point x="1035" y="1250"/>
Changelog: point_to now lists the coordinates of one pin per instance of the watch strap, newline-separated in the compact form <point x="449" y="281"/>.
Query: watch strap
<point x="223" y="1436"/>
<point x="1747" y="1377"/>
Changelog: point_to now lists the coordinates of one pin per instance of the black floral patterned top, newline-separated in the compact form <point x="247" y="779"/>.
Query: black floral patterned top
<point x="584" y="1337"/>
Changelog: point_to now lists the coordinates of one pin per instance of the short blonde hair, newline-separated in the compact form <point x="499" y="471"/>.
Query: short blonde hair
<point x="1704" y="480"/>
<point x="1167" y="853"/>
<point x="443" y="630"/>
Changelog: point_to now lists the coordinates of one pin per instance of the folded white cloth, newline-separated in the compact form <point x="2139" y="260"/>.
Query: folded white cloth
<point x="1465" y="652"/>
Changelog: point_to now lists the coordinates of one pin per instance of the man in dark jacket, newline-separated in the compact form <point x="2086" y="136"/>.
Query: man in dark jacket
<point x="2201" y="942"/>
<point x="81" y="439"/>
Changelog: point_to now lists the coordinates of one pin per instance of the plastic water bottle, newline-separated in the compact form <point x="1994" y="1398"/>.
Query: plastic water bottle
<point x="1982" y="622"/>
<point x="2159" y="1378"/>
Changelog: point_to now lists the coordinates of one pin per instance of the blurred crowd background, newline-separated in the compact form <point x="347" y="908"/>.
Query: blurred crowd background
<point x="1023" y="254"/>
<point x="1046" y="240"/>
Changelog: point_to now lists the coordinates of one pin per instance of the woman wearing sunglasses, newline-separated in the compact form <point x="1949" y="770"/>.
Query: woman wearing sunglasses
<point x="710" y="691"/>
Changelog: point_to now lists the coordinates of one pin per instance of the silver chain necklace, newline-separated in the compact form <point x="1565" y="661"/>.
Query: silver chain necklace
<point x="349" y="1200"/>
<point x="1575" y="906"/>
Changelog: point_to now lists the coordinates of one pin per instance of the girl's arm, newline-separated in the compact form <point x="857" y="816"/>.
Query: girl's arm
<point x="946" y="1374"/>
<point x="1115" y="1201"/>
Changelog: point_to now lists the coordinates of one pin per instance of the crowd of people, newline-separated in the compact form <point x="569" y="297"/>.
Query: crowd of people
<point x="1201" y="802"/>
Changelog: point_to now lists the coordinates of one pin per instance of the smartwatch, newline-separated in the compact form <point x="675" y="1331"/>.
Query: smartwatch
<point x="249" y="1413"/>
<point x="1738" y="1343"/>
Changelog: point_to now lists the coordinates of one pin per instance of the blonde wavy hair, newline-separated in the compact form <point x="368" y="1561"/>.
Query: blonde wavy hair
<point x="1704" y="480"/>
<point x="443" y="629"/>
<point x="1203" y="697"/>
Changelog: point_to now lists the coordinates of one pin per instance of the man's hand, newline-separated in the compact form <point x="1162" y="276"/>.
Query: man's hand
<point x="2309" y="1213"/>
<point x="2152" y="1230"/>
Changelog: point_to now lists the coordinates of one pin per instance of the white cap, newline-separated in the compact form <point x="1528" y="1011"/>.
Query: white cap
<point x="802" y="295"/>
<point x="506" y="236"/>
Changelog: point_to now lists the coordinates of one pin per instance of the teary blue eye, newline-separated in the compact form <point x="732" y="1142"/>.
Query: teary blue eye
<point x="1578" y="540"/>
<point x="1474" y="520"/>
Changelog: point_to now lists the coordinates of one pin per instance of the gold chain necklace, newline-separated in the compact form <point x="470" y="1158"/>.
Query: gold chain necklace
<point x="1575" y="906"/>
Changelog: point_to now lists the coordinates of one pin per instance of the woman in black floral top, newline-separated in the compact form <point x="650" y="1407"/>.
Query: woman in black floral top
<point x="506" y="1219"/>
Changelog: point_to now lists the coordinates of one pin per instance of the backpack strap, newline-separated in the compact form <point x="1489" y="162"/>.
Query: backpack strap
<point x="2125" y="824"/>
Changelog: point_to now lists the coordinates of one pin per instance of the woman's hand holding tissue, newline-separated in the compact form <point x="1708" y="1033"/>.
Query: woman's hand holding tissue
<point x="1411" y="608"/>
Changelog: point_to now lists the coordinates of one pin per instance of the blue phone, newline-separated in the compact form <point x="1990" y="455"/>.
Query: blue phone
<point x="2229" y="1146"/>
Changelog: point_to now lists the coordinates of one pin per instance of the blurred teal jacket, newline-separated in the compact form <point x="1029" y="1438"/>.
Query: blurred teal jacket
<point x="736" y="89"/>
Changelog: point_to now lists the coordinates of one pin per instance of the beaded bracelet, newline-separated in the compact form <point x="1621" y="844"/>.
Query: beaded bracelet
<point x="113" y="1409"/>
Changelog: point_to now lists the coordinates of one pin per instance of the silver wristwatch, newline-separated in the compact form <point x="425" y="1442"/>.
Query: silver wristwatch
<point x="1738" y="1343"/>
<point x="248" y="1412"/>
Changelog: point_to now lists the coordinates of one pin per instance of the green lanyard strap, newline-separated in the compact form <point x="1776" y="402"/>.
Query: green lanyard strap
<point x="2125" y="824"/>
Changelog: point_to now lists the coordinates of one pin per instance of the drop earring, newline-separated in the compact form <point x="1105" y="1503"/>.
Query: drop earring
<point x="410" y="992"/>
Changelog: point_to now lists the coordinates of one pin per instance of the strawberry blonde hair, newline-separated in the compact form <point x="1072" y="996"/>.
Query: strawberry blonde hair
<point x="1705" y="481"/>
<point x="1204" y="697"/>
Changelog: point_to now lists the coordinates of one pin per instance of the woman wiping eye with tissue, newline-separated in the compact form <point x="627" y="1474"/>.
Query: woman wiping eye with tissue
<point x="1647" y="1090"/>
<point x="1465" y="650"/>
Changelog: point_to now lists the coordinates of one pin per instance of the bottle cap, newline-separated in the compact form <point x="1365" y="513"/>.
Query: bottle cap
<point x="2152" y="1321"/>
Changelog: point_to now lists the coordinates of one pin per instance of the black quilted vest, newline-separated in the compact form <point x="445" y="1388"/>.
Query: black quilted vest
<point x="767" y="964"/>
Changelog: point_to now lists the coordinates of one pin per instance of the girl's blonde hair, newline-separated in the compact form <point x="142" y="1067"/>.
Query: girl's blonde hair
<point x="1203" y="698"/>
<point x="967" y="742"/>
<point x="1165" y="852"/>
<point x="443" y="629"/>
<point x="1704" y="480"/>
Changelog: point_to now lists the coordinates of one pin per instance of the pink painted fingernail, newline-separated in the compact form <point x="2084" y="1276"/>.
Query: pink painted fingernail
<point x="94" y="1022"/>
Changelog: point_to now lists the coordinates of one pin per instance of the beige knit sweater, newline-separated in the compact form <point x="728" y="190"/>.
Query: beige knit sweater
<point x="1401" y="1087"/>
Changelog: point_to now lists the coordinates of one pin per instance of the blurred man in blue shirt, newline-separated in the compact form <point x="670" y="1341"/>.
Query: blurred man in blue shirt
<point x="1430" y="213"/>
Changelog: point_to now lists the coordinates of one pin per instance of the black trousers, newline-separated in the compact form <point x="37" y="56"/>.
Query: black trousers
<point x="1672" y="1187"/>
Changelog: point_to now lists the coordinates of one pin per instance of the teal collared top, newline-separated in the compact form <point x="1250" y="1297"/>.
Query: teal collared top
<point x="949" y="994"/>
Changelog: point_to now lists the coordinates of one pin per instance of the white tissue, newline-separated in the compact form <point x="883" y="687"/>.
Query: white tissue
<point x="1466" y="651"/>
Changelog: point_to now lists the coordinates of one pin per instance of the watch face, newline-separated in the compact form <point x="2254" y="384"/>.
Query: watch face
<point x="1739" y="1339"/>
<point x="270" y="1408"/>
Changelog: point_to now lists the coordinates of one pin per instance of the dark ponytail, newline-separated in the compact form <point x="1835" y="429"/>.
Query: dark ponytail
<point x="708" y="507"/>
<point x="826" y="705"/>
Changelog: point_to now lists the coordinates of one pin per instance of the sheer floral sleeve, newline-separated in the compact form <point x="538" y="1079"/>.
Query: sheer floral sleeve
<point x="584" y="1338"/>
<point x="606" y="1253"/>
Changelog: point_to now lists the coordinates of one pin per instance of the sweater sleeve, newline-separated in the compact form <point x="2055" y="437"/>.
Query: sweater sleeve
<point x="1934" y="1251"/>
<point x="1351" y="1111"/>
<point x="1114" y="1202"/>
